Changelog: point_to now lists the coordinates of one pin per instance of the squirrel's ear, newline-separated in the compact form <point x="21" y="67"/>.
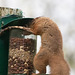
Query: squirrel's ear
<point x="37" y="18"/>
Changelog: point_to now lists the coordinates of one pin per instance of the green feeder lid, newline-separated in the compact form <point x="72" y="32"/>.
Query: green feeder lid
<point x="19" y="22"/>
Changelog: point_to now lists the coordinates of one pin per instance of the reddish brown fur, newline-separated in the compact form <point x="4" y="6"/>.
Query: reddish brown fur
<point x="50" y="52"/>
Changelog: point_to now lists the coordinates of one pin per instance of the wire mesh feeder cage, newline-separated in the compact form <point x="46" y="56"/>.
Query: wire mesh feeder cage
<point x="4" y="11"/>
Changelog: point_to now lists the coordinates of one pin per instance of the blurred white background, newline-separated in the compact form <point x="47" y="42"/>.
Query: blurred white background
<point x="60" y="11"/>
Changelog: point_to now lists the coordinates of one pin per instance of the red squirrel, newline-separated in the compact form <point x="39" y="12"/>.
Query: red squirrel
<point x="50" y="52"/>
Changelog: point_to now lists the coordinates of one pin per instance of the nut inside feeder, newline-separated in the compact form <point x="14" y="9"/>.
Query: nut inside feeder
<point x="22" y="48"/>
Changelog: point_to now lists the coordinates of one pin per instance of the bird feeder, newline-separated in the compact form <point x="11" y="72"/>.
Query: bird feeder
<point x="17" y="45"/>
